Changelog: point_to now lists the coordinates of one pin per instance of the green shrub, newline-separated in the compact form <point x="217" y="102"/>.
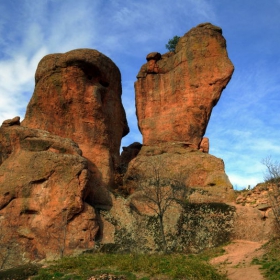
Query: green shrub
<point x="171" y="45"/>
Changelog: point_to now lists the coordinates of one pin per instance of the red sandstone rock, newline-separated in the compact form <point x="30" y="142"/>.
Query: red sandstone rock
<point x="204" y="145"/>
<point x="78" y="95"/>
<point x="203" y="174"/>
<point x="253" y="224"/>
<point x="46" y="189"/>
<point x="175" y="93"/>
<point x="44" y="186"/>
<point x="10" y="122"/>
<point x="129" y="153"/>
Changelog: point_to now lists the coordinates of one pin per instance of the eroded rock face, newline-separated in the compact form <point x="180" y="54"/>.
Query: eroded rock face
<point x="175" y="95"/>
<point x="253" y="224"/>
<point x="44" y="185"/>
<point x="78" y="95"/>
<point x="175" y="92"/>
<point x="201" y="173"/>
<point x="48" y="191"/>
<point x="189" y="228"/>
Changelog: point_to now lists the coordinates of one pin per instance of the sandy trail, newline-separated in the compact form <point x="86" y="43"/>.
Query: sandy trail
<point x="236" y="262"/>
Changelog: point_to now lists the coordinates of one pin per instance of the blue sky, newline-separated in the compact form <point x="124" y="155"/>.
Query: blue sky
<point x="244" y="126"/>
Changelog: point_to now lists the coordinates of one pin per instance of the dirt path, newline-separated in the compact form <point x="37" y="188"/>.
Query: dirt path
<point x="236" y="262"/>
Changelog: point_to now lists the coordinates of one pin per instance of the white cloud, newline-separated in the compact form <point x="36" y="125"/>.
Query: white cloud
<point x="242" y="182"/>
<point x="36" y="30"/>
<point x="17" y="83"/>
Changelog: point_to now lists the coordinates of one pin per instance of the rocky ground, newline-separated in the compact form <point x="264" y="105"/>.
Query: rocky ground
<point x="253" y="228"/>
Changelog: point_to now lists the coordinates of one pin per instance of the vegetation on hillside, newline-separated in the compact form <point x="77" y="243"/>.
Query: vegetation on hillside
<point x="270" y="261"/>
<point x="145" y="267"/>
<point x="272" y="177"/>
<point x="160" y="193"/>
<point x="173" y="266"/>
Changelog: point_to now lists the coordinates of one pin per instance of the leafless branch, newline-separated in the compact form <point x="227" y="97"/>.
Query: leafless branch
<point x="160" y="191"/>
<point x="272" y="177"/>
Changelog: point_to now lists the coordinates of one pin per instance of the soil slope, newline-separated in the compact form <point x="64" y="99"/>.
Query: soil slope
<point x="236" y="262"/>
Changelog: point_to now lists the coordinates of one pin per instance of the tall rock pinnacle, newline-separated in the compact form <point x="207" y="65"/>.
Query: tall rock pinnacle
<point x="175" y="92"/>
<point x="78" y="95"/>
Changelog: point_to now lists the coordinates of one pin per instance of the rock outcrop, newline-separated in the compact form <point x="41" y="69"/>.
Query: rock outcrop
<point x="44" y="188"/>
<point x="175" y="95"/>
<point x="58" y="165"/>
<point x="189" y="227"/>
<point x="129" y="153"/>
<point x="11" y="122"/>
<point x="201" y="173"/>
<point x="255" y="219"/>
<point x="204" y="145"/>
<point x="175" y="92"/>
<point x="252" y="224"/>
<point x="258" y="197"/>
<point x="78" y="95"/>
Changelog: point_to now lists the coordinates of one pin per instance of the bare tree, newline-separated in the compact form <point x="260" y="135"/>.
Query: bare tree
<point x="63" y="229"/>
<point x="272" y="177"/>
<point x="160" y="192"/>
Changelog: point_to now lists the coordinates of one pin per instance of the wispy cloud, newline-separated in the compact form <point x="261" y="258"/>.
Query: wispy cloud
<point x="29" y="31"/>
<point x="242" y="182"/>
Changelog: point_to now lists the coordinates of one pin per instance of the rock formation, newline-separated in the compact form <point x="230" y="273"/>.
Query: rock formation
<point x="54" y="191"/>
<point x="50" y="186"/>
<point x="255" y="218"/>
<point x="203" y="174"/>
<point x="44" y="188"/>
<point x="175" y="92"/>
<point x="11" y="122"/>
<point x="175" y="95"/>
<point x="78" y="95"/>
<point x="188" y="227"/>
<point x="129" y="153"/>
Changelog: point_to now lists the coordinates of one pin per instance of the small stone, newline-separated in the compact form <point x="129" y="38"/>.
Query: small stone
<point x="153" y="56"/>
<point x="11" y="122"/>
<point x="204" y="145"/>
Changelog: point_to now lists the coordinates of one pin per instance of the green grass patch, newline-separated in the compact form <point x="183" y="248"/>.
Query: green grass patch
<point x="270" y="261"/>
<point x="173" y="266"/>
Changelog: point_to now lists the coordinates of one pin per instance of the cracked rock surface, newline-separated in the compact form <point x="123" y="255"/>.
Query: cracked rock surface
<point x="43" y="191"/>
<point x="176" y="92"/>
<point x="78" y="96"/>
